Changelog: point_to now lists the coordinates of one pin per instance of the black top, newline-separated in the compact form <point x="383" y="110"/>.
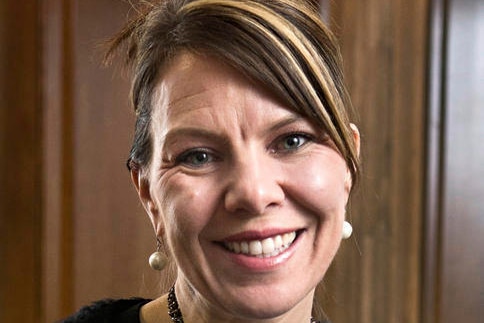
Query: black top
<point x="109" y="311"/>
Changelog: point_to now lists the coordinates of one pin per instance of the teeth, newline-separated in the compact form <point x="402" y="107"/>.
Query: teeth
<point x="268" y="247"/>
<point x="255" y="248"/>
<point x="278" y="242"/>
<point x="244" y="247"/>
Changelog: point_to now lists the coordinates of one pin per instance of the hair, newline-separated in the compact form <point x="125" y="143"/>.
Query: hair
<point x="282" y="44"/>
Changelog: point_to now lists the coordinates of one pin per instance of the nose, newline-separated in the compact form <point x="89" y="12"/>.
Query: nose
<point x="254" y="185"/>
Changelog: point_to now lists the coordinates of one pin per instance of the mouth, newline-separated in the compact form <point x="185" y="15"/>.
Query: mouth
<point x="265" y="248"/>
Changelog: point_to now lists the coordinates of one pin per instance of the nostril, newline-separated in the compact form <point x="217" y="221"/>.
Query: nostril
<point x="273" y="204"/>
<point x="254" y="202"/>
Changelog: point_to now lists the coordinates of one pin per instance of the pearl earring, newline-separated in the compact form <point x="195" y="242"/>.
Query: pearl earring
<point x="347" y="230"/>
<point x="158" y="259"/>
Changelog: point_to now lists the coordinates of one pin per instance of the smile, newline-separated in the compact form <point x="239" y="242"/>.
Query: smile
<point x="268" y="247"/>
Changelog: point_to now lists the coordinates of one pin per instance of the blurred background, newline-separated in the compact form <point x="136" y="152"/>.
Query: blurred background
<point x="72" y="229"/>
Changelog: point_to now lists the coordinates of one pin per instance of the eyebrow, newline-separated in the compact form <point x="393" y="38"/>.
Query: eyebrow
<point x="293" y="118"/>
<point x="195" y="132"/>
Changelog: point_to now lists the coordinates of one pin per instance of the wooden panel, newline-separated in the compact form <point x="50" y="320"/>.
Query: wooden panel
<point x="462" y="279"/>
<point x="97" y="237"/>
<point x="113" y="236"/>
<point x="435" y="130"/>
<point x="376" y="277"/>
<point x="20" y="147"/>
<point x="57" y="293"/>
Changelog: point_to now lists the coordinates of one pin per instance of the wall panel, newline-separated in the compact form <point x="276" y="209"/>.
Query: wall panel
<point x="20" y="151"/>
<point x="377" y="275"/>
<point x="112" y="236"/>
<point x="57" y="156"/>
<point x="97" y="238"/>
<point x="462" y="217"/>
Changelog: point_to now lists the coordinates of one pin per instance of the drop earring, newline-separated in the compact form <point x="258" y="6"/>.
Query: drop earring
<point x="158" y="259"/>
<point x="347" y="230"/>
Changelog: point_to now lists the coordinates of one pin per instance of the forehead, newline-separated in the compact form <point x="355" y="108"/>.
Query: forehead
<point x="190" y="74"/>
<point x="195" y="82"/>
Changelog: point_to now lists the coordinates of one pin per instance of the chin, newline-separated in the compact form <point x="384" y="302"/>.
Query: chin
<point x="266" y="303"/>
<point x="260" y="311"/>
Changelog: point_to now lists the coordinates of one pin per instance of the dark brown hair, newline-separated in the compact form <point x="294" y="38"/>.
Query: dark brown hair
<point x="281" y="44"/>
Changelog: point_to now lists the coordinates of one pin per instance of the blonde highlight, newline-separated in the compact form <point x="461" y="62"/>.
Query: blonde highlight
<point x="282" y="44"/>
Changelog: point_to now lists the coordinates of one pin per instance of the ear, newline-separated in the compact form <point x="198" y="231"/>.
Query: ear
<point x="143" y="187"/>
<point x="356" y="139"/>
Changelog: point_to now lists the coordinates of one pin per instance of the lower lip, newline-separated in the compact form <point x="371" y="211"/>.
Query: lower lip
<point x="257" y="264"/>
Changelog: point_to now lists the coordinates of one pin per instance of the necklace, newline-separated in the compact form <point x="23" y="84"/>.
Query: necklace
<point x="175" y="313"/>
<point x="173" y="310"/>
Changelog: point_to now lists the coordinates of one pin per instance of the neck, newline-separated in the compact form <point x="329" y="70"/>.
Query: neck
<point x="195" y="308"/>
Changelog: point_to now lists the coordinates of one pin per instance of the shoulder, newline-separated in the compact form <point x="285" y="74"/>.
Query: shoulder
<point x="109" y="310"/>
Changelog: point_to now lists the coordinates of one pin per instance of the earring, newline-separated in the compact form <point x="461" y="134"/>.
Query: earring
<point x="158" y="259"/>
<point x="347" y="230"/>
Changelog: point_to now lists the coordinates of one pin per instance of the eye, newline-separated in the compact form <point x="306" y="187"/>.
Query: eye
<point x="291" y="142"/>
<point x="195" y="158"/>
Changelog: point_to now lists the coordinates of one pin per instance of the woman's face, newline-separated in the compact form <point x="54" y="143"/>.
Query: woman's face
<point x="250" y="195"/>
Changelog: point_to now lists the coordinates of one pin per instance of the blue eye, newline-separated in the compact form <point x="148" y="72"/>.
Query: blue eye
<point x="195" y="158"/>
<point x="292" y="142"/>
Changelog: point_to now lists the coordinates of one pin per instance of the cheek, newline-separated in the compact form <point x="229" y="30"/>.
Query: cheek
<point x="320" y="185"/>
<point x="186" y="205"/>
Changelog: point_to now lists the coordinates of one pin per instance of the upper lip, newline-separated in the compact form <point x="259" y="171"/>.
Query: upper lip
<point x="258" y="234"/>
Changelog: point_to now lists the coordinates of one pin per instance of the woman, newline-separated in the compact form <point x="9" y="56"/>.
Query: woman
<point x="243" y="157"/>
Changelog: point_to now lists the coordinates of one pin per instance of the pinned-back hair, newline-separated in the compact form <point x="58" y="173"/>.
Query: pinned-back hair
<point x="281" y="44"/>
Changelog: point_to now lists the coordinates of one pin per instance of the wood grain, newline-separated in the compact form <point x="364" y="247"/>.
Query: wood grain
<point x="376" y="278"/>
<point x="112" y="236"/>
<point x="20" y="151"/>
<point x="57" y="181"/>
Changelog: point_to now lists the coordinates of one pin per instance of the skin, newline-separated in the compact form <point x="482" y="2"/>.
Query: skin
<point x="232" y="162"/>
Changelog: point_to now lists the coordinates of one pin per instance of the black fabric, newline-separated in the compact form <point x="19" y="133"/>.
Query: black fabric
<point x="112" y="311"/>
<point x="109" y="311"/>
